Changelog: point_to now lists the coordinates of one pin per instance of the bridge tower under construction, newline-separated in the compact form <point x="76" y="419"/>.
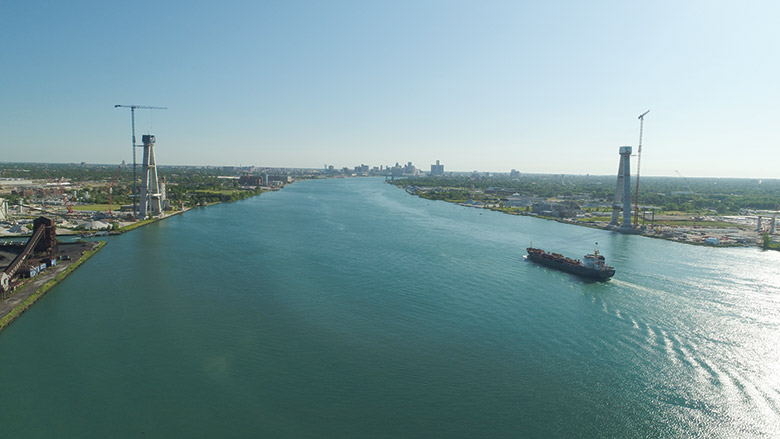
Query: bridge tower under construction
<point x="623" y="191"/>
<point x="150" y="203"/>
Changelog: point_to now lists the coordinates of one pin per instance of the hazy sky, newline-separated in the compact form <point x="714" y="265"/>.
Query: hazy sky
<point x="551" y="86"/>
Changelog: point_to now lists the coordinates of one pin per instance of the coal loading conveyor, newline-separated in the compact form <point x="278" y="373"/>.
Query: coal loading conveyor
<point x="42" y="243"/>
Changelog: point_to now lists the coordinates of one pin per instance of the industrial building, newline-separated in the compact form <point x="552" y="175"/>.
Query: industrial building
<point x="39" y="252"/>
<point x="250" y="180"/>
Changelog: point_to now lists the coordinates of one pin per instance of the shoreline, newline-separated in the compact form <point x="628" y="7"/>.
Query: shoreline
<point x="25" y="296"/>
<point x="637" y="233"/>
<point x="681" y="238"/>
<point x="129" y="227"/>
<point x="20" y="300"/>
<point x="16" y="303"/>
<point x="608" y="229"/>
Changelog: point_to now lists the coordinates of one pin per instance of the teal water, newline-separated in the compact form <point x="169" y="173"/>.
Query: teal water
<point x="348" y="308"/>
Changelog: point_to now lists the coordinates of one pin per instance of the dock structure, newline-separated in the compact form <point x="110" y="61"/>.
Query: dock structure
<point x="622" y="201"/>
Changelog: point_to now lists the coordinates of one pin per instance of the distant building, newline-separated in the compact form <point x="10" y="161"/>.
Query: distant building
<point x="19" y="229"/>
<point x="15" y="182"/>
<point x="410" y="169"/>
<point x="279" y="179"/>
<point x="95" y="225"/>
<point x="437" y="170"/>
<point x="563" y="209"/>
<point x="250" y="180"/>
<point x="166" y="203"/>
<point x="519" y="201"/>
<point x="472" y="203"/>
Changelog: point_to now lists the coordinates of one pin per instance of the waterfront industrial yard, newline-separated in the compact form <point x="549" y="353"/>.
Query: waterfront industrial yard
<point x="98" y="199"/>
<point x="33" y="260"/>
<point x="15" y="302"/>
<point x="583" y="201"/>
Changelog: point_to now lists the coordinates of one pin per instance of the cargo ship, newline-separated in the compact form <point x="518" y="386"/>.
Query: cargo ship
<point x="593" y="265"/>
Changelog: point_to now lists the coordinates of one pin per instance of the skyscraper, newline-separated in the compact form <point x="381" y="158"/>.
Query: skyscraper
<point x="437" y="170"/>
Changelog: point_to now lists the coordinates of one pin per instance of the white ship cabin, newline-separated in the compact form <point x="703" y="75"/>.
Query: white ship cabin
<point x="595" y="261"/>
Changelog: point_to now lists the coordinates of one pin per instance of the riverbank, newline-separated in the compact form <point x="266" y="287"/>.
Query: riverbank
<point x="703" y="234"/>
<point x="685" y="230"/>
<point x="90" y="233"/>
<point x="18" y="301"/>
<point x="137" y="224"/>
<point x="117" y="226"/>
<point x="72" y="255"/>
<point x="446" y="323"/>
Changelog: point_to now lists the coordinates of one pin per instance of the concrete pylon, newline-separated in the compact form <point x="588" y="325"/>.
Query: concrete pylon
<point x="150" y="203"/>
<point x="623" y="191"/>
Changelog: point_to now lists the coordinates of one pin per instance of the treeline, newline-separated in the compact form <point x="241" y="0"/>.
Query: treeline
<point x="94" y="172"/>
<point x="206" y="197"/>
<point x="722" y="195"/>
<point x="66" y="172"/>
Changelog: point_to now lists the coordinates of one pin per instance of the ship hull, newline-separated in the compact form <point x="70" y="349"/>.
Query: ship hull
<point x="570" y="268"/>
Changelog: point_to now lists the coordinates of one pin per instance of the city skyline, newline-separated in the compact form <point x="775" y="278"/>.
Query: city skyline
<point x="552" y="88"/>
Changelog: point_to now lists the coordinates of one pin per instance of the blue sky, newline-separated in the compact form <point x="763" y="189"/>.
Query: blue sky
<point x="552" y="87"/>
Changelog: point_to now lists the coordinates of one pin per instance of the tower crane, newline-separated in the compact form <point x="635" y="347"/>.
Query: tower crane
<point x="67" y="201"/>
<point x="132" y="123"/>
<point x="638" y="164"/>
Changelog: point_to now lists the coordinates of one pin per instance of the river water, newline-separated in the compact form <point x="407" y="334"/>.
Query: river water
<point x="348" y="308"/>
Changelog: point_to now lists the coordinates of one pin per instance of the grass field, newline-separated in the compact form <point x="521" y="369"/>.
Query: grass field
<point x="719" y="224"/>
<point x="137" y="224"/>
<point x="216" y="192"/>
<point x="593" y="219"/>
<point x="97" y="207"/>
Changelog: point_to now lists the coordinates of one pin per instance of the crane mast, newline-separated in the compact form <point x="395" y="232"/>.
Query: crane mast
<point x="638" y="164"/>
<point x="111" y="191"/>
<point x="132" y="125"/>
